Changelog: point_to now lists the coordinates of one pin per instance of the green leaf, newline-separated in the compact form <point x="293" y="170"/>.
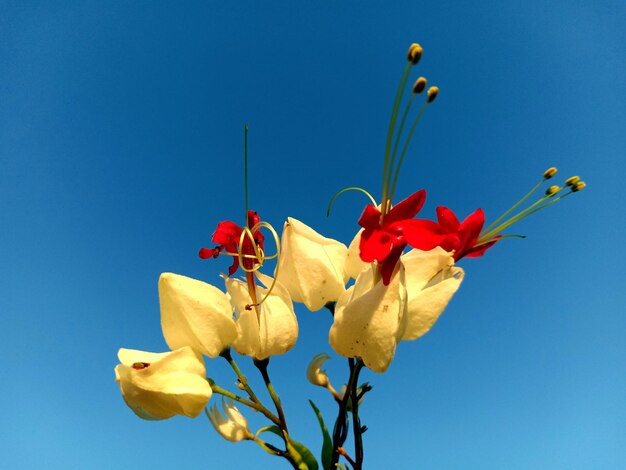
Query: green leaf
<point x="303" y="456"/>
<point x="327" y="446"/>
<point x="273" y="429"/>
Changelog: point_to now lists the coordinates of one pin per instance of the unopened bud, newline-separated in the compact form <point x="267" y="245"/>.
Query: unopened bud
<point x="433" y="91"/>
<point x="572" y="181"/>
<point x="578" y="186"/>
<point x="419" y="86"/>
<point x="552" y="190"/>
<point x="549" y="173"/>
<point x="415" y="53"/>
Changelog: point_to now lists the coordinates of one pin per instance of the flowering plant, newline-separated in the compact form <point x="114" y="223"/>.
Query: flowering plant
<point x="390" y="284"/>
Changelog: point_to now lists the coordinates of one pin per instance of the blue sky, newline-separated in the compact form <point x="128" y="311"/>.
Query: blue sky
<point x="121" y="148"/>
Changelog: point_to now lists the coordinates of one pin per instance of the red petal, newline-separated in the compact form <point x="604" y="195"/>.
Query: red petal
<point x="206" y="253"/>
<point x="389" y="265"/>
<point x="447" y="219"/>
<point x="376" y="245"/>
<point x="370" y="218"/>
<point x="233" y="267"/>
<point x="406" y="209"/>
<point x="479" y="250"/>
<point x="253" y="219"/>
<point x="226" y="233"/>
<point x="422" y="234"/>
<point x="470" y="230"/>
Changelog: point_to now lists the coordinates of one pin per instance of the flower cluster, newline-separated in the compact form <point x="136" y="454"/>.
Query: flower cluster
<point x="390" y="284"/>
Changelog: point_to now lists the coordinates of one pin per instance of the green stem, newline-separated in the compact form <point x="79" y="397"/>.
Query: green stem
<point x="262" y="366"/>
<point x="340" y="432"/>
<point x="356" y="422"/>
<point x="255" y="406"/>
<point x="242" y="378"/>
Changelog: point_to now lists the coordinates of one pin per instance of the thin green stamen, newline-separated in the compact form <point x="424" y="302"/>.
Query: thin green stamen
<point x="487" y="236"/>
<point x="404" y="149"/>
<point x="352" y="188"/>
<point x="515" y="206"/>
<point x="395" y="145"/>
<point x="392" y="125"/>
<point x="245" y="169"/>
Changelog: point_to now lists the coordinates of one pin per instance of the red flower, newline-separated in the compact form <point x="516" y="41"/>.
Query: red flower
<point x="227" y="236"/>
<point x="385" y="241"/>
<point x="462" y="237"/>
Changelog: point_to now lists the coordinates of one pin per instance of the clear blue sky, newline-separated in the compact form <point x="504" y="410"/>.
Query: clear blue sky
<point x="121" y="148"/>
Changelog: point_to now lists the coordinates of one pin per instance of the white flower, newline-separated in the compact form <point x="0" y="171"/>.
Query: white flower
<point x="311" y="266"/>
<point x="431" y="280"/>
<point x="370" y="319"/>
<point x="162" y="385"/>
<point x="271" y="331"/>
<point x="195" y="314"/>
<point x="233" y="426"/>
<point x="314" y="373"/>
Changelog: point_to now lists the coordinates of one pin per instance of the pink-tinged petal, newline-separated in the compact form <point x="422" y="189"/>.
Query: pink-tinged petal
<point x="469" y="230"/>
<point x="406" y="209"/>
<point x="447" y="219"/>
<point x="422" y="234"/>
<point x="370" y="218"/>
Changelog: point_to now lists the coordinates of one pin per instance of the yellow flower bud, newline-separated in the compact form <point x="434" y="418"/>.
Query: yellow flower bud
<point x="578" y="186"/>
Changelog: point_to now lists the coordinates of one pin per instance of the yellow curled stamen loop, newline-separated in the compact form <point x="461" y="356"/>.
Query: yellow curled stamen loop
<point x="259" y="254"/>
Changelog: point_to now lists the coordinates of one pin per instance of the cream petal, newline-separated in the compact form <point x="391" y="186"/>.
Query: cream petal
<point x="354" y="263"/>
<point x="275" y="330"/>
<point x="247" y="341"/>
<point x="370" y="319"/>
<point x="195" y="314"/>
<point x="433" y="282"/>
<point x="314" y="373"/>
<point x="170" y="383"/>
<point x="311" y="266"/>
<point x="232" y="426"/>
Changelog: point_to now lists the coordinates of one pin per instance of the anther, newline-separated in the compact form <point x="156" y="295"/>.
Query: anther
<point x="433" y="91"/>
<point x="549" y="173"/>
<point x="419" y="86"/>
<point x="140" y="365"/>
<point x="571" y="181"/>
<point x="552" y="190"/>
<point x="415" y="53"/>
<point x="578" y="186"/>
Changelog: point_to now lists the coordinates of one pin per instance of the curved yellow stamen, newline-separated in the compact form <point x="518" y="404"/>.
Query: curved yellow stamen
<point x="259" y="254"/>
